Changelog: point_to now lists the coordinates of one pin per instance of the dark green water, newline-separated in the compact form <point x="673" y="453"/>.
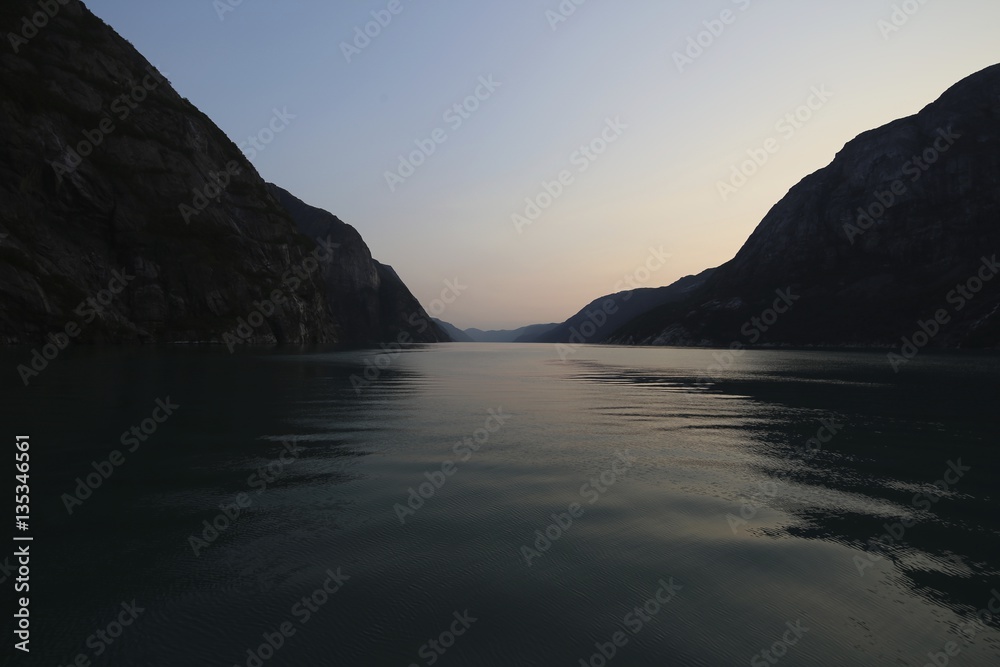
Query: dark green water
<point x="708" y="488"/>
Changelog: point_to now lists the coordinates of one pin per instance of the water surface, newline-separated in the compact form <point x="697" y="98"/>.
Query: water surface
<point x="708" y="487"/>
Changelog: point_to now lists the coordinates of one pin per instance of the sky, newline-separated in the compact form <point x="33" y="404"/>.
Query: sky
<point x="617" y="120"/>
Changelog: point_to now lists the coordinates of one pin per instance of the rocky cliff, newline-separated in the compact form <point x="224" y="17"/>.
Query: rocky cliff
<point x="127" y="215"/>
<point x="902" y="228"/>
<point x="360" y="291"/>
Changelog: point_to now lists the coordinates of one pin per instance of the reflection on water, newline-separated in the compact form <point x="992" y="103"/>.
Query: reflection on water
<point x="861" y="457"/>
<point x="781" y="488"/>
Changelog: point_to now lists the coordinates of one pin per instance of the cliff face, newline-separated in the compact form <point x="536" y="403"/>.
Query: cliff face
<point x="894" y="230"/>
<point x="403" y="319"/>
<point x="359" y="290"/>
<point x="127" y="215"/>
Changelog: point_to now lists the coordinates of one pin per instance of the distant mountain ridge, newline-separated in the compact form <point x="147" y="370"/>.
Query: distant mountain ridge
<point x="494" y="336"/>
<point x="457" y="335"/>
<point x="601" y="318"/>
<point x="508" y="335"/>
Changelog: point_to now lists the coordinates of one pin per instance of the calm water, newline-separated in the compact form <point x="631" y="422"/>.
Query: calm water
<point x="706" y="488"/>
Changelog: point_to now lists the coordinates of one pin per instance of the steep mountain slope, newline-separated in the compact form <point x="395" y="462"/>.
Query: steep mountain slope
<point x="456" y="334"/>
<point x="402" y="318"/>
<point x="360" y="291"/>
<point x="599" y="319"/>
<point x="901" y="225"/>
<point x="127" y="215"/>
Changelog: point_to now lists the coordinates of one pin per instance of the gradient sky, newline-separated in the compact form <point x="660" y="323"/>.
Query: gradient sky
<point x="656" y="186"/>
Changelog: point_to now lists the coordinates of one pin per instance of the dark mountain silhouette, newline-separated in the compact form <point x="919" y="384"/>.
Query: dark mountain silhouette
<point x="599" y="319"/>
<point x="367" y="295"/>
<point x="127" y="215"/>
<point x="508" y="335"/>
<point x="457" y="335"/>
<point x="901" y="227"/>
